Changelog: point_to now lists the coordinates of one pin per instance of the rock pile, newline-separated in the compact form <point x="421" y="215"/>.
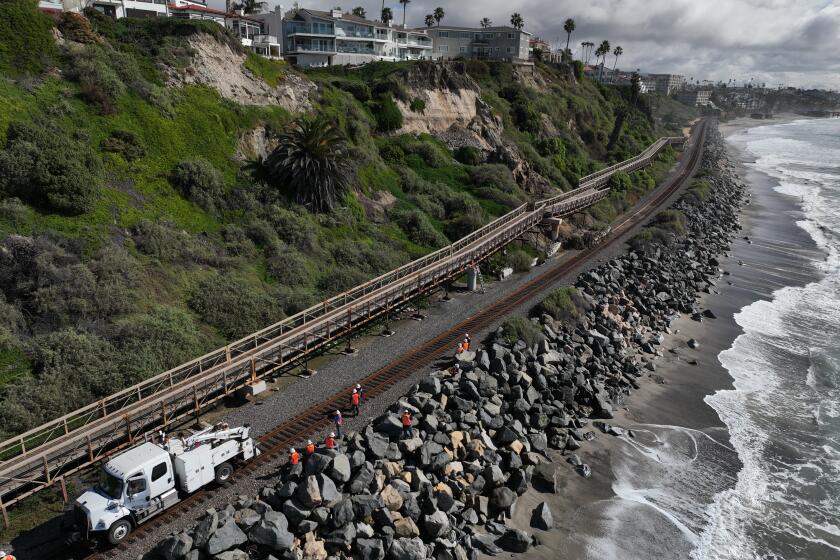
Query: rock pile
<point x="482" y="430"/>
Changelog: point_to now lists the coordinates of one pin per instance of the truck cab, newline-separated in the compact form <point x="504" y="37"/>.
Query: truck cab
<point x="133" y="487"/>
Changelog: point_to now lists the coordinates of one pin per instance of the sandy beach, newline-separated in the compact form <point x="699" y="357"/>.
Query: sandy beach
<point x="680" y="457"/>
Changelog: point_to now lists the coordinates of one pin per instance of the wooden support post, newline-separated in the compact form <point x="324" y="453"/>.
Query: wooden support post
<point x="103" y="408"/>
<point x="64" y="490"/>
<point x="6" y="523"/>
<point x="349" y="348"/>
<point x="128" y="430"/>
<point x="66" y="427"/>
<point x="227" y="353"/>
<point x="46" y="468"/>
<point x="253" y="370"/>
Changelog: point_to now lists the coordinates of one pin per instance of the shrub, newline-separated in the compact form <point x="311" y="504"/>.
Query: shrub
<point x="551" y="146"/>
<point x="294" y="228"/>
<point x="45" y="167"/>
<point x="564" y="304"/>
<point x="495" y="176"/>
<point x="359" y="90"/>
<point x="698" y="191"/>
<point x="670" y="220"/>
<point x="519" y="328"/>
<point x="76" y="27"/>
<point x="391" y="88"/>
<point x="463" y="225"/>
<point x="388" y="116"/>
<point x="391" y="152"/>
<point x="26" y="40"/>
<point x="417" y="105"/>
<point x="99" y="82"/>
<point x="340" y="280"/>
<point x="578" y="70"/>
<point x="156" y="341"/>
<point x="124" y="143"/>
<point x="81" y="362"/>
<point x="199" y="182"/>
<point x="162" y="241"/>
<point x="418" y="228"/>
<point x="468" y="155"/>
<point x="289" y="267"/>
<point x="620" y="182"/>
<point x="234" y="307"/>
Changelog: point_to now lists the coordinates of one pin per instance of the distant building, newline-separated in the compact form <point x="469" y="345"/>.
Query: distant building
<point x="666" y="84"/>
<point x="317" y="38"/>
<point x="491" y="43"/>
<point x="695" y="98"/>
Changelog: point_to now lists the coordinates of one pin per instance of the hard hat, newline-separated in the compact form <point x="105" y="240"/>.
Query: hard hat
<point x="308" y="442"/>
<point x="332" y="434"/>
<point x="291" y="450"/>
<point x="355" y="391"/>
<point x="338" y="412"/>
<point x="406" y="411"/>
<point x="358" y="386"/>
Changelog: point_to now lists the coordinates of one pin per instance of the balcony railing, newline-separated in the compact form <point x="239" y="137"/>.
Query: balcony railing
<point x="309" y="29"/>
<point x="339" y="32"/>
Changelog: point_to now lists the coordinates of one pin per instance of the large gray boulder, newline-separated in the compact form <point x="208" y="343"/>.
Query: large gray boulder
<point x="377" y="443"/>
<point x="317" y="463"/>
<point x="175" y="547"/>
<point x="545" y="477"/>
<point x="226" y="537"/>
<point x="369" y="549"/>
<point x="234" y="554"/>
<point x="343" y="513"/>
<point x="340" y="469"/>
<point x="502" y="498"/>
<point x="329" y="493"/>
<point x="205" y="528"/>
<point x="541" y="517"/>
<point x="362" y="479"/>
<point x="436" y="524"/>
<point x="272" y="531"/>
<point x="407" y="549"/>
<point x="515" y="540"/>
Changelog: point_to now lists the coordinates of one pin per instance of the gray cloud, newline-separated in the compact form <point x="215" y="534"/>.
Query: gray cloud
<point x="794" y="42"/>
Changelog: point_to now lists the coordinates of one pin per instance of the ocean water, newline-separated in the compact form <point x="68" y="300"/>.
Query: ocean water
<point x="771" y="489"/>
<point x="783" y="414"/>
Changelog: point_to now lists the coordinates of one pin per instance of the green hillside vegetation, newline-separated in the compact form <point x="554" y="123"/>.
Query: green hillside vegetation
<point x="132" y="239"/>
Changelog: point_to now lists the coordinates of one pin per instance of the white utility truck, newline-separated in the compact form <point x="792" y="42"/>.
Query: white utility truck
<point x="148" y="479"/>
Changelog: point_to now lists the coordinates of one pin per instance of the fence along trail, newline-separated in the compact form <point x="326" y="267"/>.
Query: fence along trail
<point x="43" y="456"/>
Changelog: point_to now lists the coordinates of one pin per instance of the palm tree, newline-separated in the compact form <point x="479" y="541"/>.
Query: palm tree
<point x="568" y="27"/>
<point x="249" y="6"/>
<point x="312" y="162"/>
<point x="485" y="23"/>
<point x="430" y="20"/>
<point x="439" y="14"/>
<point x="387" y="15"/>
<point x="359" y="11"/>
<point x="603" y="51"/>
<point x="405" y="4"/>
<point x="516" y="20"/>
<point x="617" y="52"/>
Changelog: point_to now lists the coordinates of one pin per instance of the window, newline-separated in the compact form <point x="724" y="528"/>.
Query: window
<point x="509" y="50"/>
<point x="498" y="35"/>
<point x="443" y="48"/>
<point x="443" y="33"/>
<point x="511" y="36"/>
<point x="496" y="49"/>
<point x="136" y="484"/>
<point x="158" y="472"/>
<point x="463" y="49"/>
<point x="466" y="35"/>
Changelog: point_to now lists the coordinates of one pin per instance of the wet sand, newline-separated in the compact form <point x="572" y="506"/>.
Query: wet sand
<point x="613" y="514"/>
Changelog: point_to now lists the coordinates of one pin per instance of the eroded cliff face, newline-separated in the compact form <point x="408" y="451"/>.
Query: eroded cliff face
<point x="216" y="65"/>
<point x="455" y="113"/>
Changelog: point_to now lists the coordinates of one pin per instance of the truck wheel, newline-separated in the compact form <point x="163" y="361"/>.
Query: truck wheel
<point x="223" y="473"/>
<point x="119" y="531"/>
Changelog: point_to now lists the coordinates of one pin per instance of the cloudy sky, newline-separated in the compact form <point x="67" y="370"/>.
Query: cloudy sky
<point x="792" y="42"/>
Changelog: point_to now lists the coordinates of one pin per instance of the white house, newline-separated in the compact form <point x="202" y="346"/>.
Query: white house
<point x="318" y="38"/>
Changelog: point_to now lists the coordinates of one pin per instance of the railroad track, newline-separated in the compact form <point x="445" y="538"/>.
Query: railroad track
<point x="290" y="433"/>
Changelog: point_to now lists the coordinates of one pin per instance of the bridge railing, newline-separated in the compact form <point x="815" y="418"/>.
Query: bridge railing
<point x="92" y="430"/>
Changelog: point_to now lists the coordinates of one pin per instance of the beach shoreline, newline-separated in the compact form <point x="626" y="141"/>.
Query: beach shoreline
<point x="605" y="516"/>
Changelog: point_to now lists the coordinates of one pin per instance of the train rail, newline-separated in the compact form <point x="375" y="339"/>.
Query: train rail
<point x="45" y="456"/>
<point x="294" y="431"/>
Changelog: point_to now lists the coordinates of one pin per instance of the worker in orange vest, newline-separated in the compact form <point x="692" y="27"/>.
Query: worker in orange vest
<point x="339" y="422"/>
<point x="460" y="348"/>
<point x="361" y="392"/>
<point x="355" y="400"/>
<point x="406" y="424"/>
<point x="4" y="556"/>
<point x="309" y="449"/>
<point x="467" y="341"/>
<point x="329" y="443"/>
<point x="294" y="457"/>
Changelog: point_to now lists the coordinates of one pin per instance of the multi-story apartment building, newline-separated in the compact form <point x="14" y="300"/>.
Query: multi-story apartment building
<point x="490" y="43"/>
<point x="318" y="38"/>
<point x="666" y="84"/>
<point x="695" y="98"/>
